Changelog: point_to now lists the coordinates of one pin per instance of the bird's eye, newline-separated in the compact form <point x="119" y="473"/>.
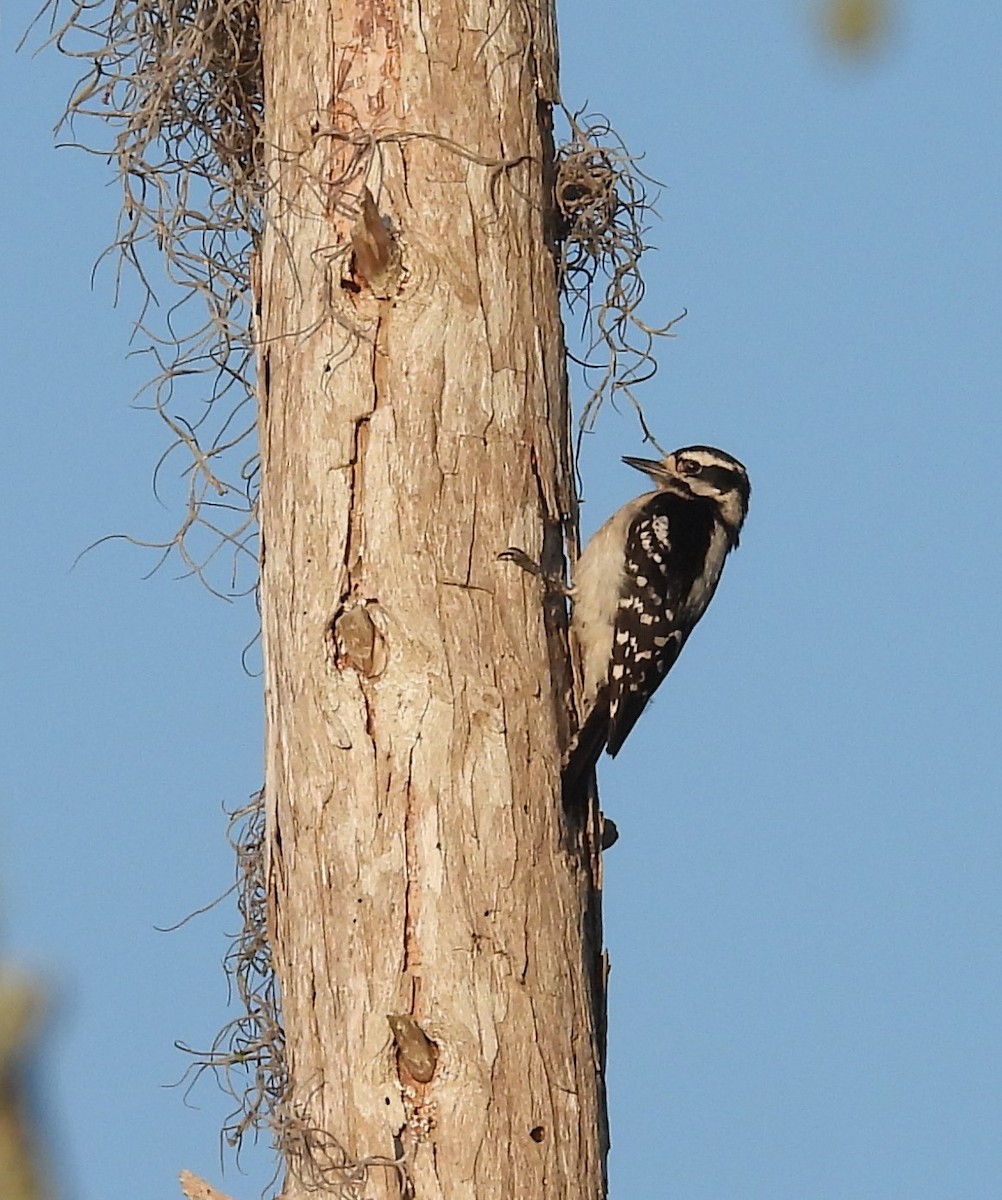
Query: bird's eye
<point x="689" y="466"/>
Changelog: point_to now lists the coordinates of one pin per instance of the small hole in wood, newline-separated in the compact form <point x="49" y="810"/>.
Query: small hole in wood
<point x="537" y="1134"/>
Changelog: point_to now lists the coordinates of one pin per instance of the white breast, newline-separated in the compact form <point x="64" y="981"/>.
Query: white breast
<point x="597" y="580"/>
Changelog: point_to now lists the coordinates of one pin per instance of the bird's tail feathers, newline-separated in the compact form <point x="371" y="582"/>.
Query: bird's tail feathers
<point x="586" y="748"/>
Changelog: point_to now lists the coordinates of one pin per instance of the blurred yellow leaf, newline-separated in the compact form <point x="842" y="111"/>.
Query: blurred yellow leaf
<point x="855" y="25"/>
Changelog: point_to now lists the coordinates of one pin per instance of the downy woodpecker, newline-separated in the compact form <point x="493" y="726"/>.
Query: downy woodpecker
<point x="641" y="585"/>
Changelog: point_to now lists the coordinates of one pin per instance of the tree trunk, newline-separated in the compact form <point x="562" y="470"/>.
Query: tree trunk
<point x="414" y="423"/>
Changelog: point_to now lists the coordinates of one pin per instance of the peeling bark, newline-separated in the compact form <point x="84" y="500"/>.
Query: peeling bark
<point x="414" y="424"/>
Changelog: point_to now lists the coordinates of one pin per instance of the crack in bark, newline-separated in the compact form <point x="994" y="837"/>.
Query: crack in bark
<point x="411" y="949"/>
<point x="555" y="616"/>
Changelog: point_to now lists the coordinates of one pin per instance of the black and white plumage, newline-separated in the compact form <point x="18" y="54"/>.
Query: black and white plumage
<point x="641" y="585"/>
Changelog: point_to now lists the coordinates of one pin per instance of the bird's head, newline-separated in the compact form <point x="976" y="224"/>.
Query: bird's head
<point x="704" y="473"/>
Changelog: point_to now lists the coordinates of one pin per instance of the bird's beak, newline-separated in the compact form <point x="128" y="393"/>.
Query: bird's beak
<point x="649" y="466"/>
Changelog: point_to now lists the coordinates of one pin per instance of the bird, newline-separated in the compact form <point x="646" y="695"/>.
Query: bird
<point x="640" y="587"/>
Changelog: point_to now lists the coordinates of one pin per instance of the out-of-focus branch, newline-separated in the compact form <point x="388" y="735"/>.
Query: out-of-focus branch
<point x="20" y="1015"/>
<point x="197" y="1189"/>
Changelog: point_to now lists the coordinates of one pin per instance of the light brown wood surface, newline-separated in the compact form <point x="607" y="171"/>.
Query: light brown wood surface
<point x="414" y="424"/>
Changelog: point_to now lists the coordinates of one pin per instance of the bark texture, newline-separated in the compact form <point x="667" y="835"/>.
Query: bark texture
<point x="414" y="424"/>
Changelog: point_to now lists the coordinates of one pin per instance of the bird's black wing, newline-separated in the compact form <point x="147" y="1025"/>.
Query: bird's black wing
<point x="666" y="550"/>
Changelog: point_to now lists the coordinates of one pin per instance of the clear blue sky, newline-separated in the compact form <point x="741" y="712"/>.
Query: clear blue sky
<point x="804" y="911"/>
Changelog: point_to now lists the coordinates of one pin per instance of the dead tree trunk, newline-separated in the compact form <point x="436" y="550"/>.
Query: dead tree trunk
<point x="413" y="424"/>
